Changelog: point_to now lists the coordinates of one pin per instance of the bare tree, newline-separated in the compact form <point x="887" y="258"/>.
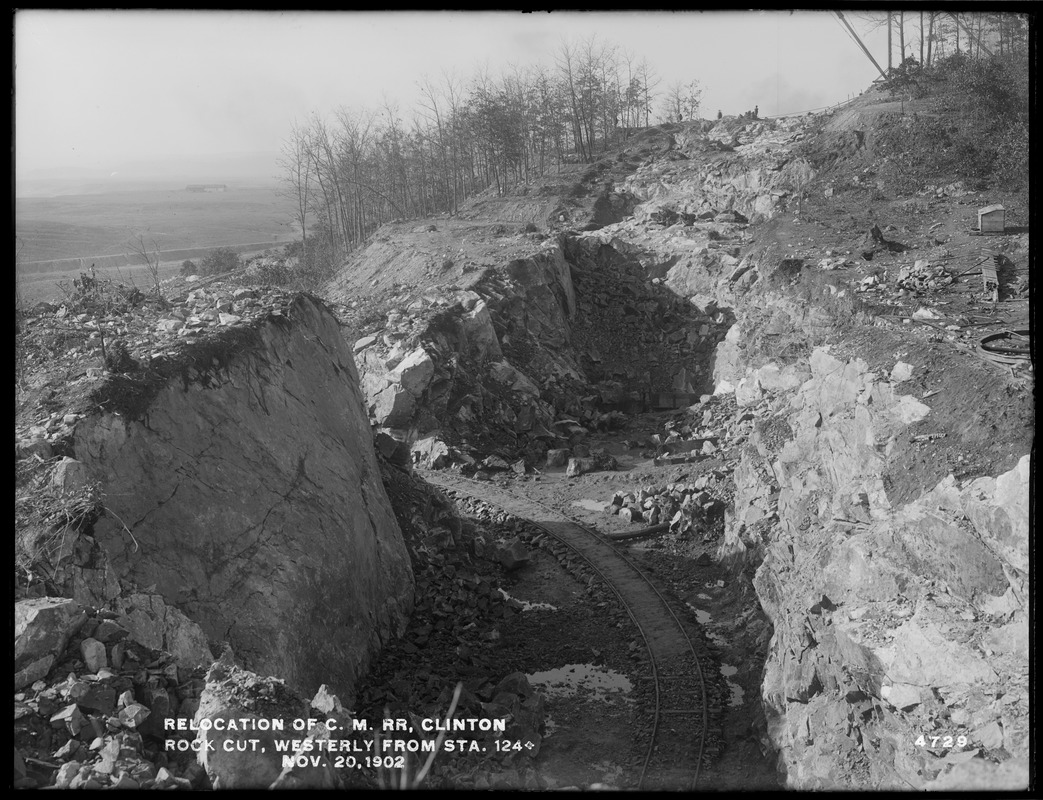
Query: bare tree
<point x="682" y="101"/>
<point x="296" y="161"/>
<point x="151" y="258"/>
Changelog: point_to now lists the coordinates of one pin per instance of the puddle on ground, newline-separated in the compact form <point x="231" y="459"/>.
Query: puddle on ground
<point x="527" y="606"/>
<point x="703" y="617"/>
<point x="590" y="505"/>
<point x="727" y="670"/>
<point x="573" y="678"/>
<point x="737" y="694"/>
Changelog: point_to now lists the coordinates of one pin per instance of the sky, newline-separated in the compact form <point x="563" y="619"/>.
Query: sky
<point x="95" y="90"/>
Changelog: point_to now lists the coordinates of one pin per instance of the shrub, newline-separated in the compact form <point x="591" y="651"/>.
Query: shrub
<point x="218" y="261"/>
<point x="976" y="128"/>
<point x="188" y="267"/>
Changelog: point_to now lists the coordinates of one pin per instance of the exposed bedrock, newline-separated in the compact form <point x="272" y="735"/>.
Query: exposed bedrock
<point x="246" y="491"/>
<point x="893" y="618"/>
<point x="576" y="330"/>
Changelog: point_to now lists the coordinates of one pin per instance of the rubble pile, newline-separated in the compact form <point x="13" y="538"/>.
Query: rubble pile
<point x="454" y="634"/>
<point x="702" y="438"/>
<point x="94" y="718"/>
<point x="688" y="507"/>
<point x="922" y="276"/>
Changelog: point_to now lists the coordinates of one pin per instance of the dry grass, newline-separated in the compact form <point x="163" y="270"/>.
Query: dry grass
<point x="48" y="519"/>
<point x="413" y="774"/>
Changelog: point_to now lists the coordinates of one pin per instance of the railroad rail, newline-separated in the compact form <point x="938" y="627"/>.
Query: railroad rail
<point x="681" y="720"/>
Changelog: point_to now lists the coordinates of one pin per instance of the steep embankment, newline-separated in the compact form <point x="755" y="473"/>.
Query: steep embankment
<point x="239" y="483"/>
<point x="883" y="497"/>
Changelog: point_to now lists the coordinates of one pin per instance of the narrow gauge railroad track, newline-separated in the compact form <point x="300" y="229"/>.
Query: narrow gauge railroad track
<point x="681" y="719"/>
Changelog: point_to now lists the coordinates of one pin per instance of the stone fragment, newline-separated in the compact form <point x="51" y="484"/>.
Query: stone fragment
<point x="93" y="696"/>
<point x="430" y="452"/>
<point x="66" y="773"/>
<point x="93" y="653"/>
<point x="394" y="450"/>
<point x="1011" y="638"/>
<point x="69" y="718"/>
<point x="513" y="555"/>
<point x="495" y="463"/>
<point x="516" y="683"/>
<point x="43" y="627"/>
<point x="68" y="751"/>
<point x="630" y="514"/>
<point x="109" y="631"/>
<point x="901" y="695"/>
<point x="901" y="372"/>
<point x="326" y="702"/>
<point x="70" y="476"/>
<point x="133" y="715"/>
<point x="37" y="447"/>
<point x="579" y="466"/>
<point x="156" y="625"/>
<point x="414" y="372"/>
<point x="990" y="736"/>
<point x="393" y="406"/>
<point x="124" y="781"/>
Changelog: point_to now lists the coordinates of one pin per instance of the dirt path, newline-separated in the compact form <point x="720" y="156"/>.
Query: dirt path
<point x="681" y="706"/>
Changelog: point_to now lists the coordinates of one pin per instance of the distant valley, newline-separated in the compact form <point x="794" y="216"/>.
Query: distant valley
<point x="65" y="223"/>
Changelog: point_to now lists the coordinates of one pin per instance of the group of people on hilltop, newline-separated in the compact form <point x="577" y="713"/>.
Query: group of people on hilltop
<point x="745" y="115"/>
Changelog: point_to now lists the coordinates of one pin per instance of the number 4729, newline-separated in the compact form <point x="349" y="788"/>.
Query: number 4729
<point x="940" y="741"/>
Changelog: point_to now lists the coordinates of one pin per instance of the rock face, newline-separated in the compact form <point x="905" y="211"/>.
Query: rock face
<point x="247" y="493"/>
<point x="575" y="329"/>
<point x="889" y="615"/>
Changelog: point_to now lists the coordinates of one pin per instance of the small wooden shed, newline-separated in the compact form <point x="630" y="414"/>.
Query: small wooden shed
<point x="991" y="219"/>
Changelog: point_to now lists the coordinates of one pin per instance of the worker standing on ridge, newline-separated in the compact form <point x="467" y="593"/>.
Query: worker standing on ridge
<point x="756" y="111"/>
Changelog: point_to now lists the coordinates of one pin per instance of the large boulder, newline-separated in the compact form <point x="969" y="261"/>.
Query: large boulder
<point x="247" y="491"/>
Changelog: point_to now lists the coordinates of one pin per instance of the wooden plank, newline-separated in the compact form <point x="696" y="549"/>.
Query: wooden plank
<point x="991" y="282"/>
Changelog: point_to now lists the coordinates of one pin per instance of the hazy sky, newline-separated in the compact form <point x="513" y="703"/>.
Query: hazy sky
<point x="94" y="89"/>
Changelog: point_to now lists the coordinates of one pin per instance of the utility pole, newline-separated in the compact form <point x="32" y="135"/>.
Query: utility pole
<point x="970" y="35"/>
<point x="889" y="47"/>
<point x="869" y="55"/>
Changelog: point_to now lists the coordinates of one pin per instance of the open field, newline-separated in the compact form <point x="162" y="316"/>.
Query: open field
<point x="57" y="237"/>
<point x="90" y="226"/>
<point x="53" y="284"/>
